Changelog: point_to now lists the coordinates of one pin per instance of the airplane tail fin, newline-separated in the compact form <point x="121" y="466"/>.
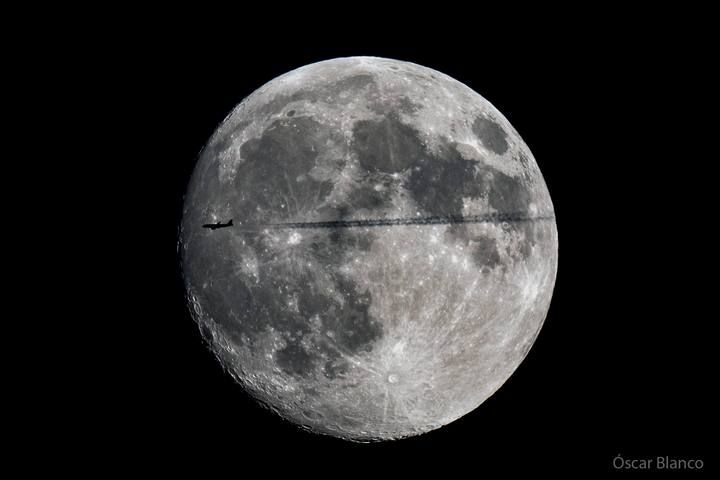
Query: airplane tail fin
<point x="230" y="224"/>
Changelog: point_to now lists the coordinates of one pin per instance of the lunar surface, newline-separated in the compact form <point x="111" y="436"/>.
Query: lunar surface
<point x="392" y="251"/>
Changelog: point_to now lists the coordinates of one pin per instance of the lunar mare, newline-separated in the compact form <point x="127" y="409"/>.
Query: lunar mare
<point x="318" y="300"/>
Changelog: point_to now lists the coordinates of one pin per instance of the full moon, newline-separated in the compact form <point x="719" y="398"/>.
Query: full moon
<point x="369" y="248"/>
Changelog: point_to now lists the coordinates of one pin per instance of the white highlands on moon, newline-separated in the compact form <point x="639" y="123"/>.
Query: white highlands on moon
<point x="393" y="249"/>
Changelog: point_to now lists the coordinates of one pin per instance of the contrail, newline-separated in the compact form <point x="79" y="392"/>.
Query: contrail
<point x="388" y="222"/>
<point x="433" y="220"/>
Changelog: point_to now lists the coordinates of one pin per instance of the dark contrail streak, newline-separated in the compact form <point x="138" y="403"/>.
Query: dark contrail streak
<point x="388" y="222"/>
<point x="434" y="220"/>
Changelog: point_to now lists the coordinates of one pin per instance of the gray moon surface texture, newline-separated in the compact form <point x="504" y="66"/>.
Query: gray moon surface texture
<point x="393" y="250"/>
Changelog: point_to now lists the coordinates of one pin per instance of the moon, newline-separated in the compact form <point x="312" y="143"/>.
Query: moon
<point x="392" y="251"/>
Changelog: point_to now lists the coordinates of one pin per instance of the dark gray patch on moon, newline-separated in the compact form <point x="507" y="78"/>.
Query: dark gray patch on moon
<point x="355" y="329"/>
<point x="439" y="182"/>
<point x="294" y="359"/>
<point x="485" y="252"/>
<point x="273" y="182"/>
<point x="505" y="193"/>
<point x="352" y="83"/>
<point x="405" y="105"/>
<point x="393" y="106"/>
<point x="492" y="136"/>
<point x="387" y="145"/>
<point x="337" y="243"/>
<point x="370" y="198"/>
<point x="511" y="194"/>
<point x="345" y="326"/>
<point x="335" y="368"/>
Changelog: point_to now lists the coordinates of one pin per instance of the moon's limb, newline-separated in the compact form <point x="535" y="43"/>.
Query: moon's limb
<point x="386" y="329"/>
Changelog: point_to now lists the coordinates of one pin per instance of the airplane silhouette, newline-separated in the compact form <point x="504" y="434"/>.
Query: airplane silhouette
<point x="215" y="226"/>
